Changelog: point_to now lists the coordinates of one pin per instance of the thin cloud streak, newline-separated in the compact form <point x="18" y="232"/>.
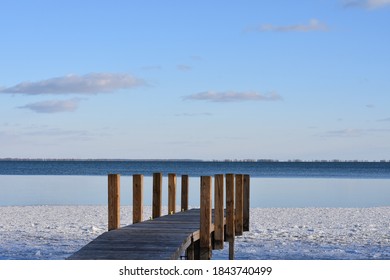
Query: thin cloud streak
<point x="53" y="106"/>
<point x="353" y="132"/>
<point x="367" y="4"/>
<point x="348" y="132"/>
<point x="313" y="25"/>
<point x="193" y="114"/>
<point x="232" y="96"/>
<point x="152" y="68"/>
<point x="184" y="67"/>
<point x="196" y="57"/>
<point x="92" y="83"/>
<point x="59" y="132"/>
<point x="384" y="120"/>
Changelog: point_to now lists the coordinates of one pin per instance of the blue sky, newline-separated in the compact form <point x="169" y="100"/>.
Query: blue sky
<point x="195" y="79"/>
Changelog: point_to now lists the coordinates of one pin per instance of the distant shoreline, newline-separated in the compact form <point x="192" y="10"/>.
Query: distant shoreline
<point x="197" y="160"/>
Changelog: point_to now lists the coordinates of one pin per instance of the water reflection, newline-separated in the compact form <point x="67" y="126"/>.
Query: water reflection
<point x="265" y="192"/>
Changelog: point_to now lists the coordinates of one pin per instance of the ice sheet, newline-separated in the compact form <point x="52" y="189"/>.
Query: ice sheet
<point x="55" y="232"/>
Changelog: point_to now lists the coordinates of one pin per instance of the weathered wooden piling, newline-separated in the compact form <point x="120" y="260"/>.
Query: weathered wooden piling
<point x="230" y="229"/>
<point x="171" y="193"/>
<point x="219" y="214"/>
<point x="113" y="201"/>
<point x="239" y="217"/>
<point x="157" y="192"/>
<point x="138" y="198"/>
<point x="205" y="217"/>
<point x="246" y="206"/>
<point x="184" y="192"/>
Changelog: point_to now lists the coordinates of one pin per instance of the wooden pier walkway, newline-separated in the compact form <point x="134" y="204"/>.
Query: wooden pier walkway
<point x="164" y="238"/>
<point x="191" y="234"/>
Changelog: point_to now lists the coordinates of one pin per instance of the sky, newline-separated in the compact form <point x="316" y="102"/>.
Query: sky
<point x="210" y="80"/>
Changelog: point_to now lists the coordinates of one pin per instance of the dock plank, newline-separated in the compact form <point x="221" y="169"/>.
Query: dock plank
<point x="165" y="237"/>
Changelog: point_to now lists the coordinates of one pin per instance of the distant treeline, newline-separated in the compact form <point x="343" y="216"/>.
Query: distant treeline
<point x="188" y="160"/>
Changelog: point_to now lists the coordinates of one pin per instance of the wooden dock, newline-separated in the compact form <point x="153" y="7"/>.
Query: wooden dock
<point x="166" y="238"/>
<point x="189" y="234"/>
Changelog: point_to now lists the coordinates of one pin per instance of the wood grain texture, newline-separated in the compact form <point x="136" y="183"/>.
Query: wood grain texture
<point x="230" y="229"/>
<point x="113" y="201"/>
<point x="162" y="238"/>
<point x="205" y="217"/>
<point x="184" y="192"/>
<point x="246" y="206"/>
<point x="239" y="204"/>
<point x="138" y="198"/>
<point x="219" y="213"/>
<point x="171" y="193"/>
<point x="157" y="195"/>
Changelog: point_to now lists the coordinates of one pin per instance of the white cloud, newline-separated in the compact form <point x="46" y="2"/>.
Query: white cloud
<point x="313" y="25"/>
<point x="92" y="83"/>
<point x="232" y="96"/>
<point x="368" y="4"/>
<point x="53" y="106"/>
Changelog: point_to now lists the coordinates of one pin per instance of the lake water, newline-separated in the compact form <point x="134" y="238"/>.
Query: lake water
<point x="276" y="184"/>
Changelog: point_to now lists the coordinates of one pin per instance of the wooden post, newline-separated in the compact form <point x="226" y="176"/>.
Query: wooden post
<point x="246" y="202"/>
<point x="138" y="198"/>
<point x="230" y="231"/>
<point x="157" y="192"/>
<point x="171" y="194"/>
<point x="113" y="201"/>
<point x="239" y="204"/>
<point x="218" y="211"/>
<point x="205" y="218"/>
<point x="231" y="250"/>
<point x="197" y="250"/>
<point x="190" y="251"/>
<point x="184" y="192"/>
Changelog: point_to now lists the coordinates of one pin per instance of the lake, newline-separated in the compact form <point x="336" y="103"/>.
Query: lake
<point x="273" y="184"/>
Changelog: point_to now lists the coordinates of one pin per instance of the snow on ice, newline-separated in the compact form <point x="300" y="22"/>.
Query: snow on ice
<point x="55" y="232"/>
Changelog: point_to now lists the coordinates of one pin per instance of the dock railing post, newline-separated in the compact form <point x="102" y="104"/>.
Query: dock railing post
<point x="239" y="204"/>
<point x="230" y="230"/>
<point x="184" y="192"/>
<point x="205" y="217"/>
<point x="138" y="198"/>
<point x="171" y="194"/>
<point x="157" y="192"/>
<point x="113" y="201"/>
<point x="246" y="202"/>
<point x="218" y="211"/>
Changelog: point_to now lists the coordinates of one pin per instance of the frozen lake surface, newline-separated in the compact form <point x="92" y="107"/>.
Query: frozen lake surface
<point x="55" y="232"/>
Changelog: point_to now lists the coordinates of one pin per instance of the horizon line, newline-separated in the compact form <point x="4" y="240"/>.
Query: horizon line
<point x="189" y="160"/>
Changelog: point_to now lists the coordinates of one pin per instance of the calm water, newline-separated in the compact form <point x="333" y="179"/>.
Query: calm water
<point x="275" y="184"/>
<point x="199" y="168"/>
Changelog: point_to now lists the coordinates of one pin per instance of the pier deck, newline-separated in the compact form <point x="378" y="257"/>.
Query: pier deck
<point x="164" y="238"/>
